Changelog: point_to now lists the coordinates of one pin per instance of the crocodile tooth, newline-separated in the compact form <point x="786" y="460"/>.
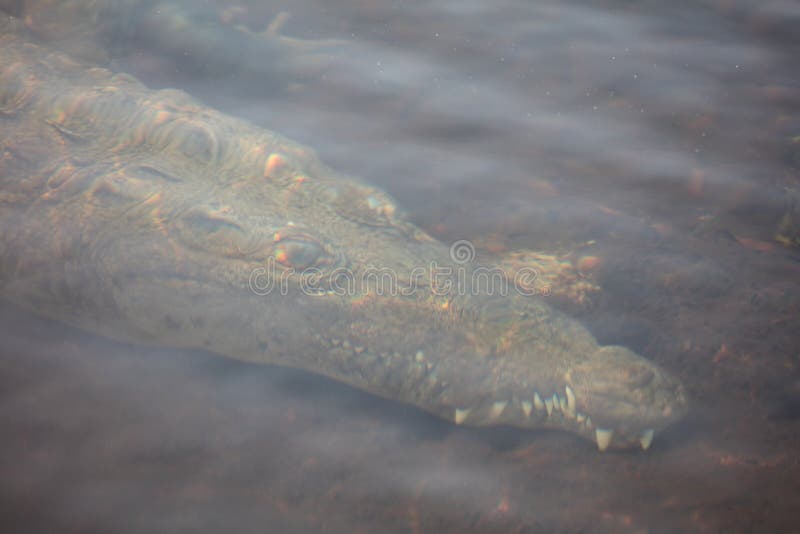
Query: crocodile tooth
<point x="581" y="418"/>
<point x="556" y="402"/>
<point x="461" y="415"/>
<point x="527" y="407"/>
<point x="646" y="438"/>
<point x="588" y="422"/>
<point x="537" y="402"/>
<point x="497" y="409"/>
<point x="562" y="403"/>
<point x="571" y="404"/>
<point x="603" y="437"/>
<point x="548" y="402"/>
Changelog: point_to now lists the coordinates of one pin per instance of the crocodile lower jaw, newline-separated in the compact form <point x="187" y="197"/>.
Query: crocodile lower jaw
<point x="556" y="411"/>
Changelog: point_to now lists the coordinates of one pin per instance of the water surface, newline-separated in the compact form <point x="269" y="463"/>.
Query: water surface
<point x="661" y="140"/>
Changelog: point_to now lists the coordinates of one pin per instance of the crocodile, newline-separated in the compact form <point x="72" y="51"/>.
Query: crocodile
<point x="146" y="217"/>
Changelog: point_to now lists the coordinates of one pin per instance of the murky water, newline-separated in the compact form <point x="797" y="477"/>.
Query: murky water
<point x="660" y="141"/>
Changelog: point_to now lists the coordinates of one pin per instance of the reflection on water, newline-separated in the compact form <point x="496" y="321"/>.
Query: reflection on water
<point x="660" y="140"/>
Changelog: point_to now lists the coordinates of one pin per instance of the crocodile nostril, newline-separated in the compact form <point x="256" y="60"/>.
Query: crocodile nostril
<point x="638" y="377"/>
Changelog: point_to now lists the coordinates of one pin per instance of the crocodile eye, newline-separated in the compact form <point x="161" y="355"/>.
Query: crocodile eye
<point x="213" y="225"/>
<point x="297" y="252"/>
<point x="216" y="230"/>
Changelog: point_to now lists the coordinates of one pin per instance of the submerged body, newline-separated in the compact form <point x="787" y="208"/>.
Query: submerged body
<point x="144" y="216"/>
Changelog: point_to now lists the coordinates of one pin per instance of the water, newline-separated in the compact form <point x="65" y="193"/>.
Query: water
<point x="660" y="139"/>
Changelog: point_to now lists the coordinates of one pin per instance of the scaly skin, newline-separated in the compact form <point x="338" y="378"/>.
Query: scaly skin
<point x="146" y="217"/>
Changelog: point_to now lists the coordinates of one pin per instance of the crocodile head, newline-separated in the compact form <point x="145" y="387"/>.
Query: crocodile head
<point x="203" y="231"/>
<point x="306" y="269"/>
